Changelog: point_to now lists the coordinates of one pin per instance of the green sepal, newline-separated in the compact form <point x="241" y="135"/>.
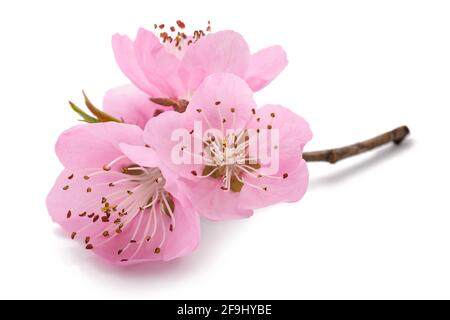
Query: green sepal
<point x="101" y="115"/>
<point x="86" y="118"/>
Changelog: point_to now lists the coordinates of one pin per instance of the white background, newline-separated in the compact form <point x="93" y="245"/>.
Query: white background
<point x="376" y="226"/>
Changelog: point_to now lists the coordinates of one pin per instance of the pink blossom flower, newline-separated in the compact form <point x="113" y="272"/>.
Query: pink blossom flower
<point x="223" y="179"/>
<point x="175" y="67"/>
<point x="123" y="205"/>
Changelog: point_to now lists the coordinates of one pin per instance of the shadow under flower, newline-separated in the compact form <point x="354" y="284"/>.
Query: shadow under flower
<point x="377" y="156"/>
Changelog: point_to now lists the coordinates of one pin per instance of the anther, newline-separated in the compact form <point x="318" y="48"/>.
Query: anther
<point x="88" y="190"/>
<point x="254" y="111"/>
<point x="157" y="250"/>
<point x="69" y="214"/>
<point x="73" y="235"/>
<point x="181" y="24"/>
<point x="96" y="218"/>
<point x="272" y="115"/>
<point x="70" y="177"/>
<point x="199" y="110"/>
<point x="269" y="127"/>
<point x="87" y="240"/>
<point x="83" y="214"/>
<point x="89" y="247"/>
<point x="194" y="173"/>
<point x="106" y="168"/>
<point x="217" y="103"/>
<point x="66" y="188"/>
<point x="233" y="110"/>
<point x="119" y="252"/>
<point x="106" y="234"/>
<point x="86" y="178"/>
<point x="285" y="176"/>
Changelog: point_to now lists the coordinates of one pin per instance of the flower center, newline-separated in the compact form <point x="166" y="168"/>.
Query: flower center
<point x="230" y="157"/>
<point x="135" y="199"/>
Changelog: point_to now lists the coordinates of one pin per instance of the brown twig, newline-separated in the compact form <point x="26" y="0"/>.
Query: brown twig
<point x="335" y="155"/>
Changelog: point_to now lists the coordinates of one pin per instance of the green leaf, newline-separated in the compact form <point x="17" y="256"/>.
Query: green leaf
<point x="86" y="118"/>
<point x="101" y="115"/>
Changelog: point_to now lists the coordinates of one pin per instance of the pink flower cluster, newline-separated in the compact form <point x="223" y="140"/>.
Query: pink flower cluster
<point x="122" y="194"/>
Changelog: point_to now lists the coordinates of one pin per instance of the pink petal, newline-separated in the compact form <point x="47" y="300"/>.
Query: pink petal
<point x="212" y="203"/>
<point x="140" y="155"/>
<point x="158" y="134"/>
<point x="224" y="51"/>
<point x="159" y="66"/>
<point x="294" y="132"/>
<point x="290" y="181"/>
<point x="126" y="59"/>
<point x="131" y="105"/>
<point x="186" y="234"/>
<point x="222" y="96"/>
<point x="95" y="145"/>
<point x="290" y="189"/>
<point x="265" y="65"/>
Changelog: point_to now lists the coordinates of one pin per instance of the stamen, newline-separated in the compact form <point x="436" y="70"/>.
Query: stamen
<point x="250" y="184"/>
<point x="181" y="24"/>
<point x="169" y="210"/>
<point x="141" y="243"/>
<point x="108" y="167"/>
<point x="205" y="118"/>
<point x="136" y="230"/>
